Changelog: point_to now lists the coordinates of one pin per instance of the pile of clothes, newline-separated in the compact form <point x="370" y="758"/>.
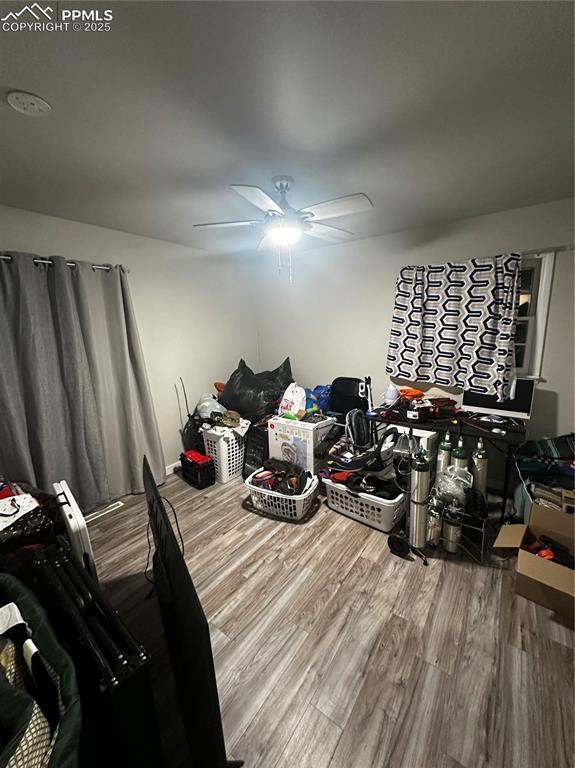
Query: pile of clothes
<point x="281" y="477"/>
<point x="246" y="398"/>
<point x="211" y="414"/>
<point x="215" y="417"/>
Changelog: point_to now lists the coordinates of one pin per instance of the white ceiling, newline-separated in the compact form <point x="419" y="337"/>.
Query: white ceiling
<point x="436" y="110"/>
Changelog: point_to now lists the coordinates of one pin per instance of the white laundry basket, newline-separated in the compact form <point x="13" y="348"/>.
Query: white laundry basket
<point x="280" y="505"/>
<point x="371" y="510"/>
<point x="227" y="452"/>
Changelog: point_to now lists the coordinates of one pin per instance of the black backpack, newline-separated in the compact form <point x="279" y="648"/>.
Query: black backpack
<point x="347" y="394"/>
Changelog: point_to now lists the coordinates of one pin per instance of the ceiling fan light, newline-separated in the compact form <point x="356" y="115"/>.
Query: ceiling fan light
<point x="287" y="234"/>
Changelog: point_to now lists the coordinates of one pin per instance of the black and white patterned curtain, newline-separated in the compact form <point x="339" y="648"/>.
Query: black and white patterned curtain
<point x="454" y="324"/>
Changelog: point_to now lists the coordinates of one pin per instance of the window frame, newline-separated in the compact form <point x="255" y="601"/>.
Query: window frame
<point x="537" y="322"/>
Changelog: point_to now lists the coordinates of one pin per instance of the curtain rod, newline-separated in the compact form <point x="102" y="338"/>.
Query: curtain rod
<point x="105" y="267"/>
<point x="554" y="249"/>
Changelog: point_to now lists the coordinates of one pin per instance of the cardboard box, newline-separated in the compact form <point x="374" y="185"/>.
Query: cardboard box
<point x="295" y="441"/>
<point x="542" y="581"/>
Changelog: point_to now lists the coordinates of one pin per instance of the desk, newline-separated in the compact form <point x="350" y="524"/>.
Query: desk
<point x="472" y="427"/>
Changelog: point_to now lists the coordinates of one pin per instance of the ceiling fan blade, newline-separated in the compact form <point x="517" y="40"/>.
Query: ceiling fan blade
<point x="265" y="243"/>
<point x="341" y="206"/>
<point x="228" y="224"/>
<point x="327" y="232"/>
<point x="257" y="197"/>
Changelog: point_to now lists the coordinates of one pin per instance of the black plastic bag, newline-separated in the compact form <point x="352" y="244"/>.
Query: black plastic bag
<point x="192" y="438"/>
<point x="254" y="395"/>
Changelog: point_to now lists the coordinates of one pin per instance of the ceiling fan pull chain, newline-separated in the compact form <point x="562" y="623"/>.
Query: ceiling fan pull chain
<point x="290" y="272"/>
<point x="279" y="259"/>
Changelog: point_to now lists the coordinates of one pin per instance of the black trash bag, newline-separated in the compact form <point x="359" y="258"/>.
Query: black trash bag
<point x="192" y="437"/>
<point x="254" y="395"/>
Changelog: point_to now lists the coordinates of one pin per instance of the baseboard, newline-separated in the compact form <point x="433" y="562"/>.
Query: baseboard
<point x="171" y="468"/>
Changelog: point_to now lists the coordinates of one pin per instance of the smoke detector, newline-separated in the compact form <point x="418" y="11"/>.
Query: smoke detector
<point x="28" y="104"/>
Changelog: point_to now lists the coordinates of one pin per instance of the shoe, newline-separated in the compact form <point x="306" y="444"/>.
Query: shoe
<point x="326" y="442"/>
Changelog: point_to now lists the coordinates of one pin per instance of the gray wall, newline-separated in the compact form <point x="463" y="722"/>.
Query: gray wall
<point x="190" y="305"/>
<point x="334" y="320"/>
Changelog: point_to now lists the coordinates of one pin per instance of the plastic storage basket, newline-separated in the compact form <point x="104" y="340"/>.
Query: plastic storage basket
<point x="227" y="451"/>
<point x="371" y="510"/>
<point x="278" y="504"/>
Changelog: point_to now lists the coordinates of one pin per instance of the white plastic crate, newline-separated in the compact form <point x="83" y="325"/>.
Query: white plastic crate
<point x="280" y="505"/>
<point x="371" y="510"/>
<point x="227" y="451"/>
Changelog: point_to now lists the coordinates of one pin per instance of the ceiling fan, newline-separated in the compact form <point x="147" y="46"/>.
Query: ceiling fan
<point x="285" y="225"/>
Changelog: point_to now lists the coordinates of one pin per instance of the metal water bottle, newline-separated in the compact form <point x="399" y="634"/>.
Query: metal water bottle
<point x="444" y="453"/>
<point x="459" y="455"/>
<point x="479" y="467"/>
<point x="418" y="500"/>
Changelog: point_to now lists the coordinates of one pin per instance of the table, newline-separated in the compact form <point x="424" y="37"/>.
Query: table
<point x="469" y="426"/>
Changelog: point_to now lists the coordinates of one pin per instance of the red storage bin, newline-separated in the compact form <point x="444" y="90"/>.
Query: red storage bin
<point x="198" y="469"/>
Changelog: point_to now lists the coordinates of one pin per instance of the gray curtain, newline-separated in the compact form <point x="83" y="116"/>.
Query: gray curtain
<point x="74" y="396"/>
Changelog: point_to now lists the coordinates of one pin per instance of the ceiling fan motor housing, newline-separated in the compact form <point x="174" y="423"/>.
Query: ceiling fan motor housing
<point x="282" y="184"/>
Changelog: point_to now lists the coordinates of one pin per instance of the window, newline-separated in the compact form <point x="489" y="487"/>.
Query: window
<point x="535" y="293"/>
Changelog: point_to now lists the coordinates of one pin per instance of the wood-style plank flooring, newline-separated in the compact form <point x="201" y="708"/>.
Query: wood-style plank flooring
<point x="332" y="653"/>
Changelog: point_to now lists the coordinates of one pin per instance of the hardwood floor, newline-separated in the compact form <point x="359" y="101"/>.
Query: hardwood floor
<point x="332" y="653"/>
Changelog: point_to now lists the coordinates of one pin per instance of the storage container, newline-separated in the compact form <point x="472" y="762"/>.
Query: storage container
<point x="198" y="469"/>
<point x="226" y="448"/>
<point x="543" y="581"/>
<point x="257" y="449"/>
<point x="280" y="505"/>
<point x="295" y="441"/>
<point x="379" y="513"/>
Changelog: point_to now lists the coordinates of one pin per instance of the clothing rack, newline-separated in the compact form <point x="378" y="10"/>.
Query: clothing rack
<point x="105" y="267"/>
<point x="119" y="725"/>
